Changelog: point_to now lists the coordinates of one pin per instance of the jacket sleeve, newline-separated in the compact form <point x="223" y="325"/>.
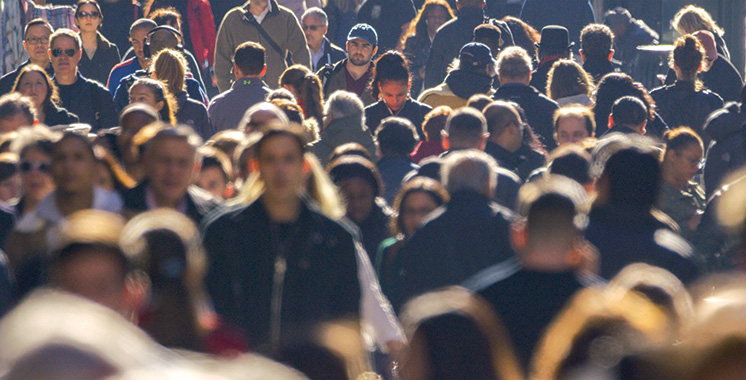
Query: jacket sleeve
<point x="203" y="31"/>
<point x="436" y="64"/>
<point x="218" y="281"/>
<point x="224" y="47"/>
<point x="108" y="117"/>
<point x="297" y="44"/>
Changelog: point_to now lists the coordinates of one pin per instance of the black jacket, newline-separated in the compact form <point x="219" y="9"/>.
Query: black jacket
<point x="722" y="78"/>
<point x="91" y="101"/>
<point x="387" y="17"/>
<point x="194" y="114"/>
<point x="8" y="80"/>
<point x="726" y="128"/>
<point x="572" y="14"/>
<point x="680" y="105"/>
<point x="540" y="76"/>
<point x="451" y="37"/>
<point x="245" y="250"/>
<point x="600" y="67"/>
<point x="522" y="162"/>
<point x="99" y="67"/>
<point x="412" y="110"/>
<point x="54" y="115"/>
<point x="199" y="202"/>
<point x="375" y="228"/>
<point x="466" y="236"/>
<point x="332" y="55"/>
<point x="539" y="109"/>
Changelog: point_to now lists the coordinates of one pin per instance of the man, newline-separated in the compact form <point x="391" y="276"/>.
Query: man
<point x="227" y="109"/>
<point x="277" y="266"/>
<point x="470" y="234"/>
<point x="456" y="33"/>
<point x="344" y="123"/>
<point x="506" y="143"/>
<point x="36" y="43"/>
<point x="514" y="73"/>
<point x="267" y="23"/>
<point x="138" y="31"/>
<point x="16" y="111"/>
<point x="553" y="46"/>
<point x="629" y="33"/>
<point x="628" y="115"/>
<point x="489" y="35"/>
<point x="170" y="163"/>
<point x="86" y="98"/>
<point x="529" y="292"/>
<point x="572" y="14"/>
<point x="595" y="50"/>
<point x="315" y="24"/>
<point x="353" y="74"/>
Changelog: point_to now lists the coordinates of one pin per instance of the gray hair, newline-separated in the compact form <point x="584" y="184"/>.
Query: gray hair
<point x="262" y="106"/>
<point x="343" y="104"/>
<point x="318" y="12"/>
<point x="469" y="169"/>
<point x="513" y="63"/>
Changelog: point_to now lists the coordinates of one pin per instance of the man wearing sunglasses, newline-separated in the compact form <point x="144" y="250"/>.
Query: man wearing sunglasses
<point x="36" y="43"/>
<point x="315" y="24"/>
<point x="86" y="98"/>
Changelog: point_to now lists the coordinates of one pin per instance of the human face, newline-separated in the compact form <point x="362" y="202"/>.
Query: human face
<point x="394" y="94"/>
<point x="34" y="85"/>
<point x="137" y="39"/>
<point x="360" y="198"/>
<point x="212" y="180"/>
<point x="360" y="51"/>
<point x="14" y="122"/>
<point x="314" y="30"/>
<point x="131" y="124"/>
<point x="436" y="17"/>
<point x="64" y="64"/>
<point x="88" y="18"/>
<point x="571" y="129"/>
<point x="73" y="166"/>
<point x="10" y="188"/>
<point x="686" y="162"/>
<point x="35" y="179"/>
<point x="169" y="166"/>
<point x="142" y="94"/>
<point x="93" y="275"/>
<point x="415" y="207"/>
<point x="36" y="43"/>
<point x="281" y="167"/>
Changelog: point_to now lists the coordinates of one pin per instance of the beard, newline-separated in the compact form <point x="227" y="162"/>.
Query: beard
<point x="359" y="61"/>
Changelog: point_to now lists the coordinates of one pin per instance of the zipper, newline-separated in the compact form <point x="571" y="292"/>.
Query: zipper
<point x="278" y="283"/>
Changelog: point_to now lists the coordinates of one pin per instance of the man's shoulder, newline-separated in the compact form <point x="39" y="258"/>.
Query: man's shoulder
<point x="126" y="65"/>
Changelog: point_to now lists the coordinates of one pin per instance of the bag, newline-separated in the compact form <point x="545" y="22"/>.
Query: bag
<point x="248" y="17"/>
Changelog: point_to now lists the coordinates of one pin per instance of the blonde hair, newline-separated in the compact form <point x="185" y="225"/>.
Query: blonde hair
<point x="170" y="67"/>
<point x="567" y="78"/>
<point x="692" y="18"/>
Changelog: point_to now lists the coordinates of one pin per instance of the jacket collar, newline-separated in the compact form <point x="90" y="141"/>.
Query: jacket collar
<point x="273" y="8"/>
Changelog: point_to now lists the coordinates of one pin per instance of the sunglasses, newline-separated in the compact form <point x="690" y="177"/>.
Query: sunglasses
<point x="58" y="52"/>
<point x="29" y="166"/>
<point x="88" y="14"/>
<point x="312" y="27"/>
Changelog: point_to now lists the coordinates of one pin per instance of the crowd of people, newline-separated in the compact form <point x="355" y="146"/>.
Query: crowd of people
<point x="392" y="189"/>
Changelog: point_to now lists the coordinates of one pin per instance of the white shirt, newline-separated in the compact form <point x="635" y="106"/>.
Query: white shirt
<point x="264" y="13"/>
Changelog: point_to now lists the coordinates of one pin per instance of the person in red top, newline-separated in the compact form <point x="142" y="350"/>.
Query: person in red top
<point x="432" y="127"/>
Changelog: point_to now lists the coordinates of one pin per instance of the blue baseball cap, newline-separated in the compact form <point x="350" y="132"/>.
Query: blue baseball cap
<point x="475" y="54"/>
<point x="364" y="32"/>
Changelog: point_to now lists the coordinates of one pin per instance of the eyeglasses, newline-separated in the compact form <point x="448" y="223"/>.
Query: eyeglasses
<point x="58" y="52"/>
<point x="312" y="27"/>
<point x="88" y="14"/>
<point x="38" y="40"/>
<point x="29" y="166"/>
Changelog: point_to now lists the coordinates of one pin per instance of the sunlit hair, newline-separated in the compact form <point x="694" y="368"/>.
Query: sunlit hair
<point x="52" y="97"/>
<point x="425" y="185"/>
<point x="681" y="138"/>
<point x="692" y="18"/>
<point x="418" y="26"/>
<point x="567" y="78"/>
<point x="308" y="86"/>
<point x="170" y="67"/>
<point x="581" y="112"/>
<point x="688" y="56"/>
<point x="161" y="94"/>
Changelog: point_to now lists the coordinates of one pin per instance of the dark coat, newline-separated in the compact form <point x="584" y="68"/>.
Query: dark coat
<point x="199" y="202"/>
<point x="522" y="162"/>
<point x="54" y="115"/>
<point x="540" y="76"/>
<point x="375" y="229"/>
<point x="332" y="55"/>
<point x="625" y="46"/>
<point x="726" y="128"/>
<point x="91" y="102"/>
<point x="8" y="80"/>
<point x="466" y="236"/>
<point x="334" y="77"/>
<point x="624" y="235"/>
<point x="121" y="96"/>
<point x="539" y="109"/>
<point x="451" y="37"/>
<point x="681" y="105"/>
<point x="600" y="67"/>
<point x="244" y="249"/>
<point x="99" y="66"/>
<point x="572" y="14"/>
<point x="194" y="114"/>
<point x="412" y="110"/>
<point x="722" y="78"/>
<point x="393" y="170"/>
<point x="387" y="17"/>
<point x="417" y="51"/>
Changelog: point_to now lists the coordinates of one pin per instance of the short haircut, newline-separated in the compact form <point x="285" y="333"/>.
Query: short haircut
<point x="578" y="111"/>
<point x="80" y="249"/>
<point x="140" y="108"/>
<point x="571" y="161"/>
<point x="435" y="122"/>
<point x="500" y="115"/>
<point x="478" y="101"/>
<point x="350" y="149"/>
<point x="180" y="132"/>
<point x="14" y="103"/>
<point x="396" y="137"/>
<point x="634" y="176"/>
<point x="629" y="111"/>
<point x="353" y="166"/>
<point x="250" y="58"/>
<point x="35" y="22"/>
<point x="596" y="41"/>
<point x="469" y="169"/>
<point x="318" y="12"/>
<point x="214" y="158"/>
<point x="488" y="32"/>
<point x="166" y="16"/>
<point x="513" y="63"/>
<point x="466" y="127"/>
<point x="343" y="104"/>
<point x="280" y="93"/>
<point x="64" y="32"/>
<point x="143" y="23"/>
<point x="550" y="206"/>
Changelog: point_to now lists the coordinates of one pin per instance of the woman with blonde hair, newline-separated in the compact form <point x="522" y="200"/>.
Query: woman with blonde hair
<point x="170" y="67"/>
<point x="569" y="83"/>
<point x="692" y="18"/>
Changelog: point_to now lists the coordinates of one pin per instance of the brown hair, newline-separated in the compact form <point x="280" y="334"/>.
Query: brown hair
<point x="567" y="78"/>
<point x="170" y="67"/>
<point x="425" y="185"/>
<point x="52" y="96"/>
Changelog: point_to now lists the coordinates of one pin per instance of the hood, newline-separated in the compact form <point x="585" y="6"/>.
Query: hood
<point x="464" y="84"/>
<point x="725" y="121"/>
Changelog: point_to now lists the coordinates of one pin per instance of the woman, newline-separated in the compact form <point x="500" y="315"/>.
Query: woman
<point x="419" y="35"/>
<point x="693" y="18"/>
<point x="569" y="83"/>
<point x="614" y="86"/>
<point x="155" y="94"/>
<point x="170" y="67"/>
<point x="686" y="103"/>
<point x="99" y="55"/>
<point x="418" y="198"/>
<point x="361" y="186"/>
<point x="524" y="35"/>
<point x="682" y="199"/>
<point x="34" y="82"/>
<point x="34" y="148"/>
<point x="573" y="124"/>
<point x="391" y="83"/>
<point x="306" y="88"/>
